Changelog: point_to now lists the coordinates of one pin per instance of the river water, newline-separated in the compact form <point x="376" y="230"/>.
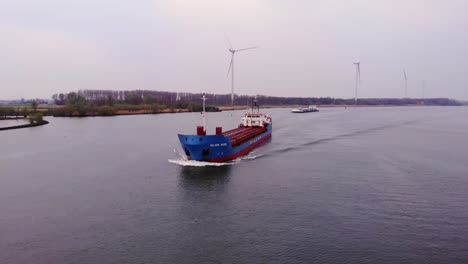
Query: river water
<point x="366" y="185"/>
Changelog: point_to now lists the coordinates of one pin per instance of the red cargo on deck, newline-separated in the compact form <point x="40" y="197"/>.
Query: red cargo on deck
<point x="242" y="134"/>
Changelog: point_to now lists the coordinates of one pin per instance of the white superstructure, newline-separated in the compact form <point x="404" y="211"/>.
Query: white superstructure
<point x="255" y="119"/>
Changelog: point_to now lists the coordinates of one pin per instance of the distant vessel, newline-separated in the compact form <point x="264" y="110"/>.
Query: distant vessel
<point x="254" y="128"/>
<point x="311" y="108"/>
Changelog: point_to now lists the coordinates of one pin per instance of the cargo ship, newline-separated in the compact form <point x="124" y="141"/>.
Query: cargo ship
<point x="254" y="129"/>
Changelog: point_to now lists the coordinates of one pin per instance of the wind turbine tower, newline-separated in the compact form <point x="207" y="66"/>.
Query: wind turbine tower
<point x="358" y="80"/>
<point x="423" y="88"/>
<point x="406" y="83"/>
<point x="231" y="68"/>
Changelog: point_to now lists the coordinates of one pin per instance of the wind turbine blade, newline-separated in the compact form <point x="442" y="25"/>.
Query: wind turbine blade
<point x="230" y="66"/>
<point x="229" y="42"/>
<point x="248" y="48"/>
<point x="404" y="73"/>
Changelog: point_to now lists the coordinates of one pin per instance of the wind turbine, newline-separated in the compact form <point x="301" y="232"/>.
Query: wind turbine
<point x="358" y="80"/>
<point x="406" y="83"/>
<point x="231" y="67"/>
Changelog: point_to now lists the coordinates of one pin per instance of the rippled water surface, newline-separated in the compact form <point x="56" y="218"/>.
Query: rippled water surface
<point x="368" y="185"/>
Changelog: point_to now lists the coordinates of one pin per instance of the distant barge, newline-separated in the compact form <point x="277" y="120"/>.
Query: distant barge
<point x="310" y="109"/>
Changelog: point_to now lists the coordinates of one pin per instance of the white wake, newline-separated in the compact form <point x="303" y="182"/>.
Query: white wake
<point x="183" y="161"/>
<point x="194" y="163"/>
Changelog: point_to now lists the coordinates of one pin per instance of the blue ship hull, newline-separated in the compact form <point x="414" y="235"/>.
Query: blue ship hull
<point x="218" y="148"/>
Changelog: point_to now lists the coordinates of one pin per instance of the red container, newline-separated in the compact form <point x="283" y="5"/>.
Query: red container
<point x="219" y="130"/>
<point x="200" y="131"/>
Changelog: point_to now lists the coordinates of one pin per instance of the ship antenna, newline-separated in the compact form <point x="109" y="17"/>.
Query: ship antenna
<point x="254" y="102"/>
<point x="252" y="105"/>
<point x="258" y="105"/>
<point x="255" y="105"/>
<point x="204" y="98"/>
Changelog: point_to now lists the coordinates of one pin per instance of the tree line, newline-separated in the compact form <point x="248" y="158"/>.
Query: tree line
<point x="108" y="102"/>
<point x="182" y="100"/>
<point x="22" y="112"/>
<point x="10" y="111"/>
<point x="104" y="103"/>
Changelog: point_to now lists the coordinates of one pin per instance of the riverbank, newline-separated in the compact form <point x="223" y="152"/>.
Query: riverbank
<point x="106" y="110"/>
<point x="143" y="112"/>
<point x="62" y="111"/>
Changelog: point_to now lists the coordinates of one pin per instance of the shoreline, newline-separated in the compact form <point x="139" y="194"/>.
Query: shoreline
<point x="41" y="123"/>
<point x="221" y="108"/>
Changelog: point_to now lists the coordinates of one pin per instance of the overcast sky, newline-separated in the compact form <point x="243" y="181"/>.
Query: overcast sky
<point x="307" y="48"/>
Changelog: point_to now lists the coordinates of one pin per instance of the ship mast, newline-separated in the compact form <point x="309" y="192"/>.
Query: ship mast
<point x="203" y="113"/>
<point x="255" y="105"/>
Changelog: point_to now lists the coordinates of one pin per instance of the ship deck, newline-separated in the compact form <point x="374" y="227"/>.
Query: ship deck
<point x="241" y="134"/>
